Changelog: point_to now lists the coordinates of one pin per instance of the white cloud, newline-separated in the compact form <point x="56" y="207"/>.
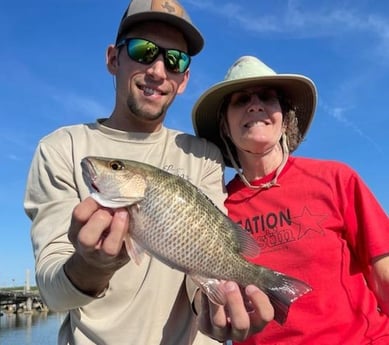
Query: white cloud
<point x="298" y="19"/>
<point x="340" y="115"/>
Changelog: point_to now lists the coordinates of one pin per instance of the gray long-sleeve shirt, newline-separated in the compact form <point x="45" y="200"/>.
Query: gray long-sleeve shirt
<point x="145" y="304"/>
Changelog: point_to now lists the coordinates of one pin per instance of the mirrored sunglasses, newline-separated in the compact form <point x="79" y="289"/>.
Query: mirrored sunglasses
<point x="146" y="52"/>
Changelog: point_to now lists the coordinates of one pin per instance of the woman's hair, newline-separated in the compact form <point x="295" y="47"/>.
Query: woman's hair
<point x="290" y="122"/>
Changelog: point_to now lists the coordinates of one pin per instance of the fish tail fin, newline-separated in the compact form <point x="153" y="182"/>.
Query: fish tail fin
<point x="283" y="291"/>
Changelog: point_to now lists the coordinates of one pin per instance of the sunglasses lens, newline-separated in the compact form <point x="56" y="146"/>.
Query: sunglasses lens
<point x="142" y="51"/>
<point x="176" y="61"/>
<point x="146" y="52"/>
<point x="267" y="96"/>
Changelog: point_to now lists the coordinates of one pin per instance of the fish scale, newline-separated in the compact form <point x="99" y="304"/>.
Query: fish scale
<point x="179" y="225"/>
<point x="172" y="237"/>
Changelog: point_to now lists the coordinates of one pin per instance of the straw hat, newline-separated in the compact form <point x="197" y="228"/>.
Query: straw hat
<point x="246" y="72"/>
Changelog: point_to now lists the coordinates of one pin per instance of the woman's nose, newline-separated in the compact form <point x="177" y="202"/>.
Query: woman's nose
<point x="256" y="103"/>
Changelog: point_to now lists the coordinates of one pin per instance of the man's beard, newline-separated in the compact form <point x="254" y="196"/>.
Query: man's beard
<point x="142" y="114"/>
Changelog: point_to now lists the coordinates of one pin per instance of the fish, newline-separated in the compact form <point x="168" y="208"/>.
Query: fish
<point x="176" y="222"/>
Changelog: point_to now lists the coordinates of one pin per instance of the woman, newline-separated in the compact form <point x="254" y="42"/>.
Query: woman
<point x="315" y="220"/>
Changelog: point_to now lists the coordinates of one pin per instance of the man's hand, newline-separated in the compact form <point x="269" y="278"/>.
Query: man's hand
<point x="97" y="234"/>
<point x="245" y="313"/>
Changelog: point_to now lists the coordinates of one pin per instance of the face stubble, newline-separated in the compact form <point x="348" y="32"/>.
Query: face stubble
<point x="139" y="109"/>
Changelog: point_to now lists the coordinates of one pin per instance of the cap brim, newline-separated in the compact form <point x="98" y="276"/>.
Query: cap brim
<point x="299" y="90"/>
<point x="191" y="33"/>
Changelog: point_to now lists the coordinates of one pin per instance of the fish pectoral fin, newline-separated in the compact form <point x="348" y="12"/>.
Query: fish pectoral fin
<point x="248" y="247"/>
<point x="213" y="288"/>
<point x="134" y="251"/>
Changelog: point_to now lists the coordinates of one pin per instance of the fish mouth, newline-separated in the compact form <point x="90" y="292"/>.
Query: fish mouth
<point x="89" y="174"/>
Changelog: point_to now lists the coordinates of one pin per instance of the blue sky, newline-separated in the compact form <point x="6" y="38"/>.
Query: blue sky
<point x="52" y="73"/>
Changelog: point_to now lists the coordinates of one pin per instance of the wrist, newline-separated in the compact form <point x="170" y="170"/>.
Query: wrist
<point x="90" y="280"/>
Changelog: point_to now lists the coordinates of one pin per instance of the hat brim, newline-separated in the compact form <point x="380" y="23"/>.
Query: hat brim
<point x="298" y="89"/>
<point x="192" y="35"/>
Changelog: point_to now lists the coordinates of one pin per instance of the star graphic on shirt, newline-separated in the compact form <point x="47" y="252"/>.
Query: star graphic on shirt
<point x="308" y="221"/>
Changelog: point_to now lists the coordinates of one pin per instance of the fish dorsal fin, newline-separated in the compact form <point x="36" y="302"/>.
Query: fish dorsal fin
<point x="247" y="245"/>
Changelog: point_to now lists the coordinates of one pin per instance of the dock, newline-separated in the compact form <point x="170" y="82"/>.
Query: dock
<point x="20" y="301"/>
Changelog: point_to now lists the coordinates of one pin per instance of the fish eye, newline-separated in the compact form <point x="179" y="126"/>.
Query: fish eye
<point x="116" y="165"/>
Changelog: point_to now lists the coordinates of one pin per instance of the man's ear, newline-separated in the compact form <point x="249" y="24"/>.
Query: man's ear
<point x="112" y="59"/>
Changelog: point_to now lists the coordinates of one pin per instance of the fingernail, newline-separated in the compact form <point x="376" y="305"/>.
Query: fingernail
<point x="250" y="289"/>
<point x="122" y="214"/>
<point x="230" y="286"/>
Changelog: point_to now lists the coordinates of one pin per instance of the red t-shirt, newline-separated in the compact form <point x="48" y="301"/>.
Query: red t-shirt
<point x="323" y="226"/>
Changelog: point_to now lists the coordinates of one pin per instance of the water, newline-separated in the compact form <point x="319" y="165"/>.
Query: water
<point x="39" y="328"/>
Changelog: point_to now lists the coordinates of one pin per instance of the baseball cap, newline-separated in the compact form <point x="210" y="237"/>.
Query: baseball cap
<point x="168" y="11"/>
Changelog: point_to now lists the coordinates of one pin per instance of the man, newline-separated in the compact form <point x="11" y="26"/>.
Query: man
<point x="110" y="299"/>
